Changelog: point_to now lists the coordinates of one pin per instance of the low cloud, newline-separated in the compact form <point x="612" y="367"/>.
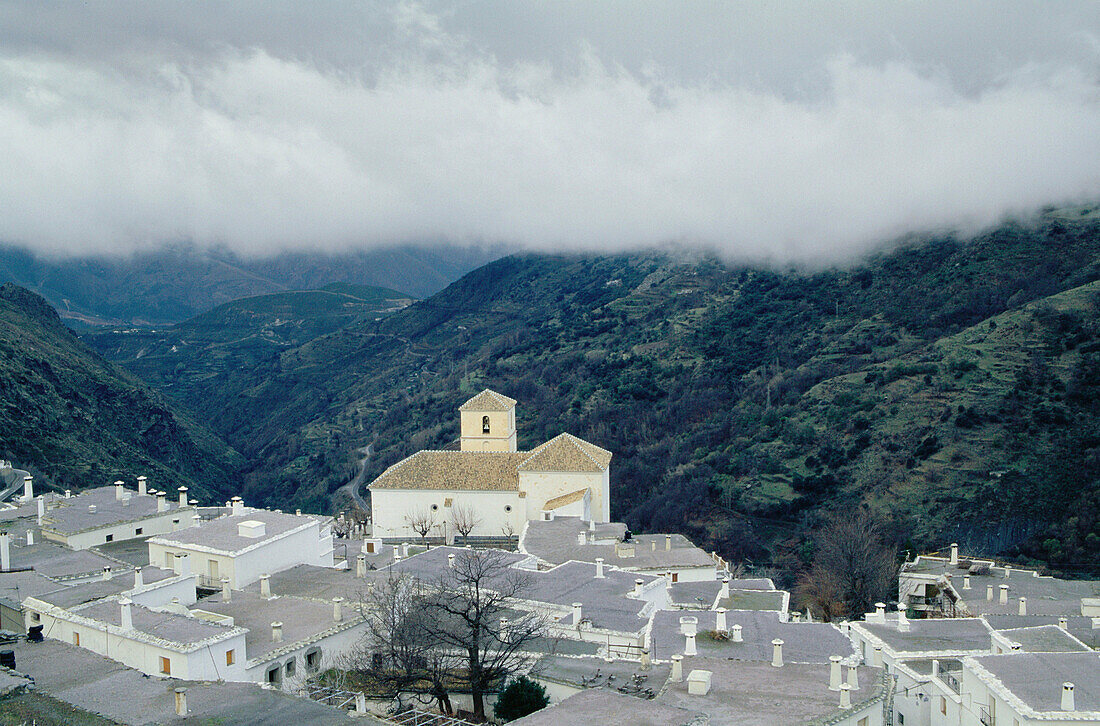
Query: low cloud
<point x="448" y="136"/>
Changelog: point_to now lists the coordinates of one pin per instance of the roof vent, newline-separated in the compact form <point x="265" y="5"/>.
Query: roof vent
<point x="251" y="529"/>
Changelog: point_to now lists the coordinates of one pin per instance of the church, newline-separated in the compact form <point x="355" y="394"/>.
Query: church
<point x="501" y="488"/>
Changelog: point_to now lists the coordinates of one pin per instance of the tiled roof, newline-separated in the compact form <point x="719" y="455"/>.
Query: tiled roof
<point x="488" y="400"/>
<point x="454" y="470"/>
<point x="566" y="452"/>
<point x="564" y="500"/>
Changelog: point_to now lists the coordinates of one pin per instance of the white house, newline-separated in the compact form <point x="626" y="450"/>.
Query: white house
<point x="112" y="514"/>
<point x="501" y="488"/>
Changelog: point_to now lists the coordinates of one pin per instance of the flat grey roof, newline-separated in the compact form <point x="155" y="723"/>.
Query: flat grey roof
<point x="222" y="534"/>
<point x="1044" y="639"/>
<point x="431" y="565"/>
<point x="604" y="601"/>
<point x="316" y="582"/>
<point x="53" y="560"/>
<point x="957" y="635"/>
<point x="1078" y="625"/>
<point x="582" y="672"/>
<point x="802" y="642"/>
<point x="71" y="597"/>
<point x="1037" y="678"/>
<point x="14" y="586"/>
<point x="556" y="542"/>
<point x="69" y="516"/>
<point x="170" y="626"/>
<point x="746" y="692"/>
<point x="122" y="694"/>
<point x="609" y="708"/>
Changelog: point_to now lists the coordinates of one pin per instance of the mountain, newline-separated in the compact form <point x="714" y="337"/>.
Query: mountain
<point x="944" y="383"/>
<point x="174" y="284"/>
<point x="76" y="421"/>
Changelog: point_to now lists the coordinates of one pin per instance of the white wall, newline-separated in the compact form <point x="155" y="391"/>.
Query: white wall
<point x="541" y="486"/>
<point x="332" y="649"/>
<point x="390" y="507"/>
<point x="157" y="524"/>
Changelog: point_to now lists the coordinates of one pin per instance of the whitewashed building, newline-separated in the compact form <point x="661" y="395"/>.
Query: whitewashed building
<point x="112" y="514"/>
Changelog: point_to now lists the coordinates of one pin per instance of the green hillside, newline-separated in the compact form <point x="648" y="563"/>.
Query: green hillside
<point x="77" y="421"/>
<point x="944" y="383"/>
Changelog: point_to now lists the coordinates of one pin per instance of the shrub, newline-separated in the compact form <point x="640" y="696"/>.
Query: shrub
<point x="519" y="698"/>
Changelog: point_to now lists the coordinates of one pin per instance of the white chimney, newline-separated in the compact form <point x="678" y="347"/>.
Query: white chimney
<point x="853" y="676"/>
<point x="162" y="503"/>
<point x="954" y="553"/>
<point x="845" y="696"/>
<point x="1023" y="606"/>
<point x="265" y="585"/>
<point x="451" y="560"/>
<point x="1008" y="571"/>
<point x="777" y="653"/>
<point x="736" y="637"/>
<point x="668" y="542"/>
<point x="139" y="579"/>
<point x="877" y="659"/>
<point x="127" y="616"/>
<point x="276" y="632"/>
<point x="725" y="591"/>
<point x="638" y="588"/>
<point x="238" y="505"/>
<point x="107" y="573"/>
<point x="720" y="620"/>
<point x="181" y="702"/>
<point x="577" y="613"/>
<point x="652" y="545"/>
<point x="989" y="593"/>
<point x="966" y="582"/>
<point x="297" y="512"/>
<point x="30" y="537"/>
<point x="28" y="488"/>
<point x="582" y="538"/>
<point x="1063" y="623"/>
<point x="834" y="672"/>
<point x="689" y="644"/>
<point x="689" y="625"/>
<point x="196" y="520"/>
<point x="599" y="568"/>
<point x="591" y="525"/>
<point x="360" y="565"/>
<point x="119" y="489"/>
<point x="668" y="580"/>
<point x="1067" y="697"/>
<point x="143" y="485"/>
<point x="880" y="612"/>
<point x="903" y="622"/>
<point x="227" y="592"/>
<point x="5" y="551"/>
<point x="91" y="509"/>
<point x="396" y="554"/>
<point x="337" y="609"/>
<point x="68" y="493"/>
<point x="677" y="674"/>
<point x="184" y="562"/>
<point x="1004" y="595"/>
<point x="183" y="496"/>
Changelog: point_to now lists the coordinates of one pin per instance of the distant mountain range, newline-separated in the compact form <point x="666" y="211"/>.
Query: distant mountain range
<point x="172" y="285"/>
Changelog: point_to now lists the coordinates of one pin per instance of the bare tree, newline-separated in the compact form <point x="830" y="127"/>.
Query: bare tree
<point x="422" y="521"/>
<point x="852" y="567"/>
<point x="465" y="520"/>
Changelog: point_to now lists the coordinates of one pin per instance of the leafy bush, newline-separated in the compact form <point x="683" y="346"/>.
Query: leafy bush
<point x="519" y="698"/>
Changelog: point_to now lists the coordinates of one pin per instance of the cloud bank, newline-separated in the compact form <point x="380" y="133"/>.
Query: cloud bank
<point x="282" y="131"/>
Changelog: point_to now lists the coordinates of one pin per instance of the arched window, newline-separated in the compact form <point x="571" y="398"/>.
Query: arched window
<point x="484" y="424"/>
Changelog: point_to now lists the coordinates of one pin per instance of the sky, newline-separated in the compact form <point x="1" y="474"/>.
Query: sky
<point x="795" y="132"/>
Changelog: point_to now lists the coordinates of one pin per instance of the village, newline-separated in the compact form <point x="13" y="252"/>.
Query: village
<point x="147" y="606"/>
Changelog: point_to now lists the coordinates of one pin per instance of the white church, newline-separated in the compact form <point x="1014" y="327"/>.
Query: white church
<point x="503" y="488"/>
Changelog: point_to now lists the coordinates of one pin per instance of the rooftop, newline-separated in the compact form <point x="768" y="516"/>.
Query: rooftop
<point x="556" y="542"/>
<point x="488" y="400"/>
<point x="1037" y="678"/>
<point x="160" y="624"/>
<point x="604" y="601"/>
<point x="316" y="582"/>
<point x="454" y="470"/>
<point x="72" y="515"/>
<point x="222" y="535"/>
<point x="958" y="635"/>
<point x="14" y="586"/>
<point x="565" y="452"/>
<point x="1044" y="639"/>
<point x="1079" y="626"/>
<point x="90" y="590"/>
<point x="609" y="708"/>
<point x="53" y="560"/>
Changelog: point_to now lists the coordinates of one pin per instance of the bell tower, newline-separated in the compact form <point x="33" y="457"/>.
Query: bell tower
<point x="488" y="422"/>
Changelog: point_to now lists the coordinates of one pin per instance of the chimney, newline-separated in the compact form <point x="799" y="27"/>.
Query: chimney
<point x="143" y="486"/>
<point x="68" y="493"/>
<point x="106" y="573"/>
<point x="599" y="568"/>
<point x="162" y="503"/>
<point x="877" y="661"/>
<point x="668" y="580"/>
<point x="834" y="672"/>
<point x="577" y="613"/>
<point x="668" y="542"/>
<point x="119" y="489"/>
<point x="903" y="622"/>
<point x="853" y="676"/>
<point x="451" y="560"/>
<point x="396" y="554"/>
<point x="638" y="588"/>
<point x="337" y="609"/>
<point x="127" y="616"/>
<point x="966" y="582"/>
<point x="139" y="579"/>
<point x="845" y="696"/>
<point x="880" y="612"/>
<point x="1004" y="595"/>
<point x="360" y="565"/>
<point x="592" y="525"/>
<point x="181" y="702"/>
<point x="652" y="545"/>
<point x="30" y="537"/>
<point x="647" y="662"/>
<point x="777" y="653"/>
<point x="725" y="591"/>
<point x="5" y="551"/>
<point x="689" y="625"/>
<point x="238" y="505"/>
<point x="1008" y="571"/>
<point x="954" y="553"/>
<point x="28" y="488"/>
<point x="1063" y="623"/>
<point x="41" y="510"/>
<point x="1067" y="697"/>
<point x="736" y="636"/>
<point x="677" y="674"/>
<point x="183" y="561"/>
<point x="989" y="593"/>
<point x="227" y="592"/>
<point x="276" y="632"/>
<point x="91" y="509"/>
<point x="297" y="512"/>
<point x="196" y="519"/>
<point x="265" y="586"/>
<point x="1023" y="606"/>
<point x="720" y="620"/>
<point x="183" y="496"/>
<point x="582" y="538"/>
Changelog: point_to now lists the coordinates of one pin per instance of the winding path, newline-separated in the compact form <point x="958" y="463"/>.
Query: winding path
<point x="353" y="486"/>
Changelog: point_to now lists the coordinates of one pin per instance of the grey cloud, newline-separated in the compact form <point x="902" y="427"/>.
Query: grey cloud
<point x="782" y="131"/>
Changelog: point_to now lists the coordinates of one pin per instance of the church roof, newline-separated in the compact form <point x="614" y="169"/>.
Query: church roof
<point x="454" y="470"/>
<point x="488" y="400"/>
<point x="566" y="452"/>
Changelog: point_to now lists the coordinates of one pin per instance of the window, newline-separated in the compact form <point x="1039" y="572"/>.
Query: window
<point x="168" y="559"/>
<point x="274" y="674"/>
<point x="901" y="719"/>
<point x="76" y="638"/>
<point x="36" y="618"/>
<point x="313" y="660"/>
<point x="943" y="705"/>
<point x="166" y="666"/>
<point x="290" y="667"/>
<point x="507" y="507"/>
<point x="212" y="568"/>
<point x="139" y="530"/>
<point x="370" y="548"/>
<point x="435" y="507"/>
<point x="230" y="657"/>
<point x="175" y="521"/>
<point x="862" y="722"/>
<point x="110" y="538"/>
<point x="675" y="576"/>
<point x="484" y="424"/>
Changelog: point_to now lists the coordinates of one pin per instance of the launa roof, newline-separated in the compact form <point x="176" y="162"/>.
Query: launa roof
<point x="566" y="452"/>
<point x="454" y="470"/>
<point x="488" y="400"/>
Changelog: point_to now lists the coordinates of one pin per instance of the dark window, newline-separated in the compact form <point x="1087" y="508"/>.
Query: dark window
<point x="274" y="674"/>
<point x="507" y="507"/>
<point x="139" y="530"/>
<point x="110" y="538"/>
<point x="175" y="521"/>
<point x="290" y="667"/>
<point x="435" y="507"/>
<point x="313" y="661"/>
<point x="484" y="424"/>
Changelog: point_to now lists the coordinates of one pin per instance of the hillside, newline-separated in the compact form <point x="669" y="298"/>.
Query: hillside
<point x="740" y="403"/>
<point x="76" y="421"/>
<point x="172" y="285"/>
